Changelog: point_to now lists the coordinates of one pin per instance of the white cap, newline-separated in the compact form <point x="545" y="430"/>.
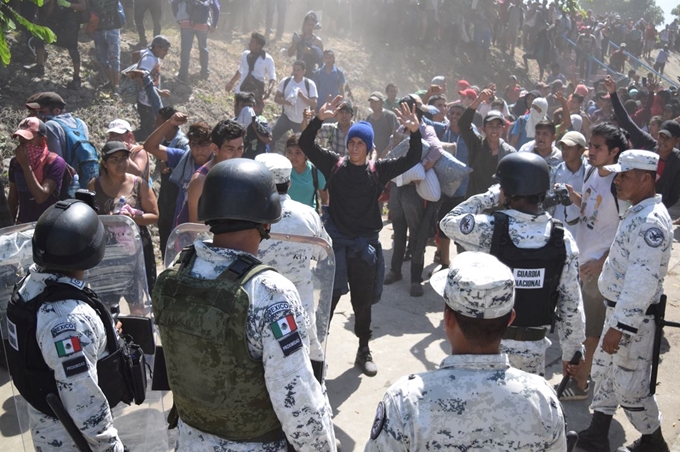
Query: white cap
<point x="573" y="139"/>
<point x="119" y="126"/>
<point x="279" y="166"/>
<point x="635" y="159"/>
<point x="438" y="80"/>
<point x="476" y="285"/>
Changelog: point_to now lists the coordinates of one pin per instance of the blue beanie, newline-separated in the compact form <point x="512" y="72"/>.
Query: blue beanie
<point x="362" y="130"/>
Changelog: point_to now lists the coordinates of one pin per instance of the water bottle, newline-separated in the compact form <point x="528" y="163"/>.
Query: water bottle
<point x="74" y="187"/>
<point x="119" y="205"/>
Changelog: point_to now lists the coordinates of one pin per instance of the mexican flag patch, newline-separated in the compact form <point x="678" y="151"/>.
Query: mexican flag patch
<point x="68" y="346"/>
<point x="284" y="326"/>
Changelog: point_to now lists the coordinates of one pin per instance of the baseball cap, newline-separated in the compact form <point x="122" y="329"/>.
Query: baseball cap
<point x="670" y="129"/>
<point x="463" y="85"/>
<point x="46" y="99"/>
<point x="494" y="114"/>
<point x="557" y="84"/>
<point x="376" y="95"/>
<point x="347" y="106"/>
<point x="536" y="93"/>
<point x="438" y="80"/>
<point x="160" y="41"/>
<point x="470" y="93"/>
<point x="635" y="159"/>
<point x="574" y="138"/>
<point x="111" y="147"/>
<point x="581" y="90"/>
<point x="29" y="128"/>
<point x="414" y="99"/>
<point x="476" y="285"/>
<point x="278" y="165"/>
<point x="119" y="126"/>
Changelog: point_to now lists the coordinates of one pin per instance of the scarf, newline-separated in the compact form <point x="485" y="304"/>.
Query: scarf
<point x="37" y="155"/>
<point x="535" y="117"/>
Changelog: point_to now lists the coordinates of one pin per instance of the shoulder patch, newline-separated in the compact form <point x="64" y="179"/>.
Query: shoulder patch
<point x="379" y="421"/>
<point x="68" y="346"/>
<point x="290" y="343"/>
<point x="62" y="328"/>
<point x="286" y="333"/>
<point x="274" y="309"/>
<point x="467" y="224"/>
<point x="75" y="366"/>
<point x="654" y="237"/>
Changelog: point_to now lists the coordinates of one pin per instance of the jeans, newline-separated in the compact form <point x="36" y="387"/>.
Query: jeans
<point x="187" y="35"/>
<point x="107" y="44"/>
<point x="147" y="119"/>
<point x="280" y="6"/>
<point x="283" y="125"/>
<point x="408" y="212"/>
<point x="156" y="9"/>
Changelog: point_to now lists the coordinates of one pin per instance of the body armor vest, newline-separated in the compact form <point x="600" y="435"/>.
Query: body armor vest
<point x="217" y="386"/>
<point x="537" y="272"/>
<point x="32" y="376"/>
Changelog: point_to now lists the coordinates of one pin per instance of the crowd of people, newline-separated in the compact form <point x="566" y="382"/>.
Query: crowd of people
<point x="565" y="182"/>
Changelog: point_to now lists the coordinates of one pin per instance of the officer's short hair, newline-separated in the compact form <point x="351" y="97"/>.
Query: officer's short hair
<point x="282" y="188"/>
<point x="481" y="332"/>
<point x="226" y="130"/>
<point x="613" y="136"/>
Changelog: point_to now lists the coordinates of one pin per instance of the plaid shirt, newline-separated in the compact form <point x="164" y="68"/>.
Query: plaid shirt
<point x="332" y="138"/>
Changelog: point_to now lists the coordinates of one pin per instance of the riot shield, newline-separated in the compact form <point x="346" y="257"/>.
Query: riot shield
<point x="308" y="262"/>
<point x="120" y="281"/>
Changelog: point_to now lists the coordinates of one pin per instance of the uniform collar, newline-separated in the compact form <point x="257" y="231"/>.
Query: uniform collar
<point x="644" y="203"/>
<point x="207" y="252"/>
<point x="36" y="282"/>
<point x="528" y="217"/>
<point x="481" y="362"/>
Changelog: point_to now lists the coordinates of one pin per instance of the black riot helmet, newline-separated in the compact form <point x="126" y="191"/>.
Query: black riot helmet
<point x="242" y="190"/>
<point x="69" y="236"/>
<point x="523" y="174"/>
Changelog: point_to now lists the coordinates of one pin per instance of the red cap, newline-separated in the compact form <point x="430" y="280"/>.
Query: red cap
<point x="463" y="85"/>
<point x="29" y="128"/>
<point x="471" y="93"/>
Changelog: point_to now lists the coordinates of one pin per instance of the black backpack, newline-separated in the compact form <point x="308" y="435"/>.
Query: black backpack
<point x="198" y="10"/>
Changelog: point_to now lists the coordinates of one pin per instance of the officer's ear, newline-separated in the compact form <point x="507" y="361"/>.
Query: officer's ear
<point x="512" y="317"/>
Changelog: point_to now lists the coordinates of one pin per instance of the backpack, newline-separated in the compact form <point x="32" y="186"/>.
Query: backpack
<point x="198" y="10"/>
<point x="286" y="81"/>
<point x="66" y="179"/>
<point x="590" y="172"/>
<point x="78" y="148"/>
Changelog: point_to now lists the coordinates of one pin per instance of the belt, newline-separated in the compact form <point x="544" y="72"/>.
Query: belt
<point x="516" y="333"/>
<point x="651" y="310"/>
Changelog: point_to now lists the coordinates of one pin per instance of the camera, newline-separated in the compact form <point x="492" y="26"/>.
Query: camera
<point x="559" y="195"/>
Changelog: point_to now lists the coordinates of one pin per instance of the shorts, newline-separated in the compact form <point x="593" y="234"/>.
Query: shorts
<point x="594" y="307"/>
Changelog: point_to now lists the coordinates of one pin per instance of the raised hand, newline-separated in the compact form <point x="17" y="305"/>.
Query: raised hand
<point x="610" y="84"/>
<point x="330" y="108"/>
<point x="178" y="119"/>
<point x="408" y="118"/>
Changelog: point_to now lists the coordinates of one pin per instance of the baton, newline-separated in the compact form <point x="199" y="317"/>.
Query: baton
<point x="660" y="321"/>
<point x="572" y="439"/>
<point x="563" y="384"/>
<point x="76" y="435"/>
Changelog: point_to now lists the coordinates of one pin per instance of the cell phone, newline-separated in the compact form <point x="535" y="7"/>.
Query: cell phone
<point x="644" y="81"/>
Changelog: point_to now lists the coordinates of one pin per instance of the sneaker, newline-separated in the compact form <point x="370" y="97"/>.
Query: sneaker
<point x="391" y="278"/>
<point x="416" y="289"/>
<point x="37" y="69"/>
<point x="573" y="392"/>
<point x="365" y="361"/>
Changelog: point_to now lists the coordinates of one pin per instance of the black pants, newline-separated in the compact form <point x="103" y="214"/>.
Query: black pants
<point x="156" y="9"/>
<point x="361" y="276"/>
<point x="167" y="199"/>
<point x="409" y="213"/>
<point x="147" y="119"/>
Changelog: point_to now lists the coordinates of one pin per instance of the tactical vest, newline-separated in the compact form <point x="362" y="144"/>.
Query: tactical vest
<point x="216" y="385"/>
<point x="537" y="272"/>
<point x="32" y="376"/>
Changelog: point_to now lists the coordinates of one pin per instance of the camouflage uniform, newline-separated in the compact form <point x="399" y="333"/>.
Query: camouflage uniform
<point x="83" y="399"/>
<point x="295" y="394"/>
<point x="293" y="260"/>
<point x="491" y="406"/>
<point x="467" y="226"/>
<point x="632" y="277"/>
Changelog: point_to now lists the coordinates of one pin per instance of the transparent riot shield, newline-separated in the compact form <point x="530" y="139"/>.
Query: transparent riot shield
<point x="308" y="262"/>
<point x="120" y="281"/>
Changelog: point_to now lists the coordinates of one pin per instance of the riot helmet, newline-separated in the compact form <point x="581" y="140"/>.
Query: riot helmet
<point x="523" y="174"/>
<point x="239" y="189"/>
<point x="69" y="236"/>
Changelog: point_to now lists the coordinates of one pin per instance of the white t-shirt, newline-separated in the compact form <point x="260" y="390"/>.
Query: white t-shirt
<point x="562" y="175"/>
<point x="150" y="63"/>
<point x="599" y="218"/>
<point x="262" y="67"/>
<point x="295" y="112"/>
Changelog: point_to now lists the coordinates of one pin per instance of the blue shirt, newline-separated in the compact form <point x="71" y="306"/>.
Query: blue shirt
<point x="328" y="84"/>
<point x="302" y="186"/>
<point x="461" y="154"/>
<point x="519" y="129"/>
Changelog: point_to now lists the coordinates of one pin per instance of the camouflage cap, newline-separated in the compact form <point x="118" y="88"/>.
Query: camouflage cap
<point x="476" y="285"/>
<point x="635" y="159"/>
<point x="278" y="165"/>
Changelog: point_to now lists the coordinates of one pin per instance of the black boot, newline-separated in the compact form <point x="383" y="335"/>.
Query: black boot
<point x="596" y="437"/>
<point x="647" y="443"/>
